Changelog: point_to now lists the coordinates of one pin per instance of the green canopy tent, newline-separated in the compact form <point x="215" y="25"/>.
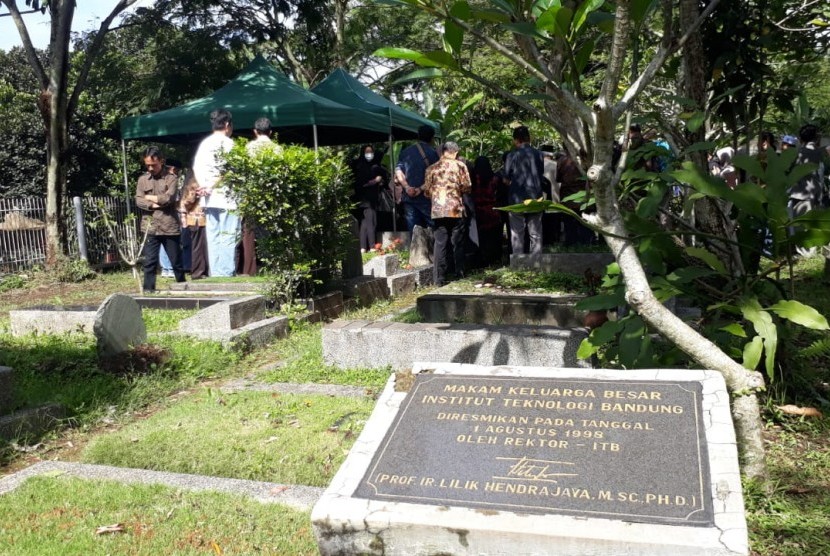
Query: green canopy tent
<point x="341" y="87"/>
<point x="298" y="115"/>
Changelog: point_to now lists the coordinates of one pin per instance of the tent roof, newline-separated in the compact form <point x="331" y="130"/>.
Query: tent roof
<point x="261" y="90"/>
<point x="341" y="87"/>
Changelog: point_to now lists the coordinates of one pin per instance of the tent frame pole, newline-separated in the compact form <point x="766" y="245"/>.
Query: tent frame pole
<point x="126" y="179"/>
<point x="392" y="182"/>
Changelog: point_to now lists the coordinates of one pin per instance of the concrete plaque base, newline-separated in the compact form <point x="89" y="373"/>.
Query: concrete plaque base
<point x="439" y="503"/>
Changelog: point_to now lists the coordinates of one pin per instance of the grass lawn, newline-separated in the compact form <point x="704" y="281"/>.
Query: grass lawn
<point x="59" y="516"/>
<point x="300" y="359"/>
<point x="263" y="436"/>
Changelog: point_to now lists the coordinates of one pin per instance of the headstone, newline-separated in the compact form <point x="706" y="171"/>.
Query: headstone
<point x="353" y="262"/>
<point x="521" y="460"/>
<point x="226" y="316"/>
<point x="401" y="283"/>
<point x="382" y="266"/>
<point x="420" y="249"/>
<point x="118" y="325"/>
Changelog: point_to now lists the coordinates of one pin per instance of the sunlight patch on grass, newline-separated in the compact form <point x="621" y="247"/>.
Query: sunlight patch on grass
<point x="300" y="357"/>
<point x="263" y="436"/>
<point x="60" y="515"/>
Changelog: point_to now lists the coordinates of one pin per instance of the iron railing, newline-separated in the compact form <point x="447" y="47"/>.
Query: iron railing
<point x="23" y="231"/>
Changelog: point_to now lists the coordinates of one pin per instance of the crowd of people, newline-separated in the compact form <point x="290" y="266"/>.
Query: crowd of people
<point x="457" y="198"/>
<point x="192" y="224"/>
<point x="191" y="221"/>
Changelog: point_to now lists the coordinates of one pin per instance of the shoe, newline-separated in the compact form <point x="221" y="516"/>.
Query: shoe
<point x="167" y="274"/>
<point x="149" y="292"/>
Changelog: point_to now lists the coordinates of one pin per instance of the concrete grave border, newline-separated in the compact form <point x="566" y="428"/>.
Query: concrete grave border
<point x="344" y="524"/>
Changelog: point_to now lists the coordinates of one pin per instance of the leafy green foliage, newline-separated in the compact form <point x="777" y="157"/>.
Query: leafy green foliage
<point x="299" y="199"/>
<point x="749" y="314"/>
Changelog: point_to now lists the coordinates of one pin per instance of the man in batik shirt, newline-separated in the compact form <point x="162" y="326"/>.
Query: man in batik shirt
<point x="446" y="182"/>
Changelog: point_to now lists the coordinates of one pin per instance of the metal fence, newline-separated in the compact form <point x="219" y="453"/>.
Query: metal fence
<point x="23" y="231"/>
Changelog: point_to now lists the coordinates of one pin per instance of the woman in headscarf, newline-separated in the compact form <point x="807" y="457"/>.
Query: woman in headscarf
<point x="369" y="177"/>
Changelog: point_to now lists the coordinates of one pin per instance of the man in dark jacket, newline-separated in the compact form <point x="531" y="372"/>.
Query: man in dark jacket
<point x="524" y="169"/>
<point x="156" y="197"/>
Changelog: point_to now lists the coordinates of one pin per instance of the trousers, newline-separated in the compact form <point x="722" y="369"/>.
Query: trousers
<point x="222" y="230"/>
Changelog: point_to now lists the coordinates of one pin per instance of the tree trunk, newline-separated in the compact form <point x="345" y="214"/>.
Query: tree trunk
<point x="742" y="383"/>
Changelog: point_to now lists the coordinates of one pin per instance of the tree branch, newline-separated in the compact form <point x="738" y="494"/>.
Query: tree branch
<point x="505" y="93"/>
<point x="556" y="91"/>
<point x="28" y="47"/>
<point x="660" y="57"/>
<point x="619" y="50"/>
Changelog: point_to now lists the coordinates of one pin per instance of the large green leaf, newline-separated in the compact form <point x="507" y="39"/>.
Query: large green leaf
<point x="707" y="257"/>
<point x="735" y="329"/>
<point x="453" y="36"/>
<point x="632" y="341"/>
<point x="597" y="338"/>
<point x="435" y="58"/>
<point x="640" y="9"/>
<point x="461" y="10"/>
<point x="765" y="328"/>
<point x="648" y="206"/>
<point x="524" y="28"/>
<point x="602" y="301"/>
<point x="418" y="75"/>
<point x="749" y="163"/>
<point x="581" y="15"/>
<point x="687" y="274"/>
<point x="397" y="53"/>
<point x="696" y="120"/>
<point x="555" y="21"/>
<point x="493" y="16"/>
<point x="799" y="313"/>
<point x="583" y="55"/>
<point x="752" y="352"/>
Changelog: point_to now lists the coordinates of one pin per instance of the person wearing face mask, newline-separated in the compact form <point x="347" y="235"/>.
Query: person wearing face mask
<point x="369" y="177"/>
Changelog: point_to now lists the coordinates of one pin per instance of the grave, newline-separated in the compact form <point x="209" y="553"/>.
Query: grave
<point x="550" y="310"/>
<point x="382" y="265"/>
<point x="27" y="423"/>
<point x="570" y="263"/>
<point x="359" y="343"/>
<point x="177" y="302"/>
<point x="420" y="249"/>
<point x="524" y="460"/>
<point x="118" y="325"/>
<point x="237" y="323"/>
<point x="52" y="320"/>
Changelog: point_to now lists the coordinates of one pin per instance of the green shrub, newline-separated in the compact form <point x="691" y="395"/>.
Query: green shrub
<point x="299" y="199"/>
<point x="11" y="282"/>
<point x="70" y="271"/>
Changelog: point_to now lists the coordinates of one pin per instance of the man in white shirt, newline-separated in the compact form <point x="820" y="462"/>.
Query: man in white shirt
<point x="262" y="138"/>
<point x="223" y="224"/>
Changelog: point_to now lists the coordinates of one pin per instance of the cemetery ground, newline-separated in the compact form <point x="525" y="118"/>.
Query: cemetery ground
<point x="178" y="407"/>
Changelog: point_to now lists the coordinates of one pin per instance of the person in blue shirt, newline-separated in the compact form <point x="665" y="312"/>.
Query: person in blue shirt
<point x="410" y="173"/>
<point x="524" y="169"/>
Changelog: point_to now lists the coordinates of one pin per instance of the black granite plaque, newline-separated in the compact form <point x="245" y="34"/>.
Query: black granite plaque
<point x="628" y="450"/>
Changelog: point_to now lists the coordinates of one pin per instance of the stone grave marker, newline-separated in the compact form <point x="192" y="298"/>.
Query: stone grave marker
<point x="521" y="460"/>
<point x="118" y="325"/>
<point x="420" y="249"/>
